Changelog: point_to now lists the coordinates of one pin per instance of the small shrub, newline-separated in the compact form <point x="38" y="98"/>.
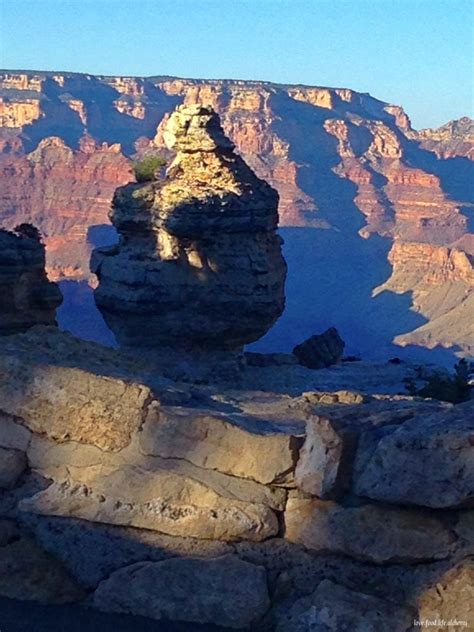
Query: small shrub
<point x="448" y="388"/>
<point x="28" y="230"/>
<point x="146" y="168"/>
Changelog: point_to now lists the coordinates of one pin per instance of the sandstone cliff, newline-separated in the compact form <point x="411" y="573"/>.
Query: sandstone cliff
<point x="27" y="297"/>
<point x="199" y="263"/>
<point x="348" y="168"/>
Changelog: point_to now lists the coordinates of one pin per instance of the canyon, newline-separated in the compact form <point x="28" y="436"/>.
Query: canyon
<point x="300" y="492"/>
<point x="375" y="216"/>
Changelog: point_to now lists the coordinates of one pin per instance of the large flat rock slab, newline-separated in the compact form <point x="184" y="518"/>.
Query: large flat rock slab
<point x="159" y="500"/>
<point x="224" y="591"/>
<point x="239" y="445"/>
<point x="58" y="461"/>
<point x="67" y="403"/>
<point x="428" y="462"/>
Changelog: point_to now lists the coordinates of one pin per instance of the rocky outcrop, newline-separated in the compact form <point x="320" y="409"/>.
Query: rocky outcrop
<point x="246" y="509"/>
<point x="441" y="280"/>
<point x="199" y="263"/>
<point x="321" y="350"/>
<point x="455" y="138"/>
<point x="28" y="298"/>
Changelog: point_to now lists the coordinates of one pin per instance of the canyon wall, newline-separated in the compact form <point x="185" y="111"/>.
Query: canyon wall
<point x="356" y="183"/>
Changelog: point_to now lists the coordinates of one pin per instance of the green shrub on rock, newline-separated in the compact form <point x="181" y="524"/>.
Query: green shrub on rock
<point x="146" y="168"/>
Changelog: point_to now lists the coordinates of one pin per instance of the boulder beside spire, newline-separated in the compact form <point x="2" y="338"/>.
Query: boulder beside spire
<point x="199" y="263"/>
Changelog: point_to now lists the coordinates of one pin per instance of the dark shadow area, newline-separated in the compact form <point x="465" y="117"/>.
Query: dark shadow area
<point x="79" y="315"/>
<point x="102" y="235"/>
<point x="26" y="616"/>
<point x="331" y="278"/>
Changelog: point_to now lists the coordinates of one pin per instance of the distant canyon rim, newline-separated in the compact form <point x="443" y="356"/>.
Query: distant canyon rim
<point x="376" y="217"/>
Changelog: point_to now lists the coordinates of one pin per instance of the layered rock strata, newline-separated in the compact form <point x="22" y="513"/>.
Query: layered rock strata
<point x="250" y="510"/>
<point x="199" y="263"/>
<point x="27" y="297"/>
<point x="341" y="161"/>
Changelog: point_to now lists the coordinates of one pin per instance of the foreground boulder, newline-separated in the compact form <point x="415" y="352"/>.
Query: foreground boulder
<point x="199" y="264"/>
<point x="28" y="298"/>
<point x="321" y="350"/>
<point x="429" y="461"/>
<point x="368" y="532"/>
<point x="224" y="591"/>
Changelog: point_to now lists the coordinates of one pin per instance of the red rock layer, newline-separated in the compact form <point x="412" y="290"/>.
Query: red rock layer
<point x="65" y="193"/>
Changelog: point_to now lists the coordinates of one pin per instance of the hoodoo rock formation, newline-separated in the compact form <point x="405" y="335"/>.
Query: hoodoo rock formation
<point x="27" y="297"/>
<point x="199" y="262"/>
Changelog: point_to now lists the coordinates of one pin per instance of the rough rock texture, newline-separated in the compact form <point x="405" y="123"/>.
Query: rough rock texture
<point x="225" y="591"/>
<point x="28" y="298"/>
<point x="427" y="462"/>
<point x="27" y="573"/>
<point x="334" y="607"/>
<point x="203" y="239"/>
<point x="455" y="138"/>
<point x="92" y="551"/>
<point x="206" y="507"/>
<point x="441" y="280"/>
<point x="161" y="501"/>
<point x="321" y="350"/>
<point x="67" y="403"/>
<point x="369" y="532"/>
<point x="348" y="167"/>
<point x="230" y="444"/>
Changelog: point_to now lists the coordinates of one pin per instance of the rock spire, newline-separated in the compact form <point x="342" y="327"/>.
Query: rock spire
<point x="199" y="263"/>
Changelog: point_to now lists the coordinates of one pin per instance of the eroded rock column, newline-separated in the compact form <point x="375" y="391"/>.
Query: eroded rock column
<point x="199" y="264"/>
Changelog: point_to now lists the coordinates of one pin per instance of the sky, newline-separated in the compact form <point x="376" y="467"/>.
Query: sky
<point x="414" y="53"/>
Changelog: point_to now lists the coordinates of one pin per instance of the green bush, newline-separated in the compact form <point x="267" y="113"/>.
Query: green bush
<point x="448" y="388"/>
<point x="146" y="168"/>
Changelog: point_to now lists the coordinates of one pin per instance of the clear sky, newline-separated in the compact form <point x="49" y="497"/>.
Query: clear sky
<point x="416" y="53"/>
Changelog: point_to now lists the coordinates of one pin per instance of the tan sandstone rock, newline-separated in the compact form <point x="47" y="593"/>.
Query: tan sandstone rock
<point x="429" y="461"/>
<point x="68" y="403"/>
<point x="451" y="598"/>
<point x="199" y="264"/>
<point x="224" y="591"/>
<point x="243" y="446"/>
<point x="369" y="532"/>
<point x="159" y="500"/>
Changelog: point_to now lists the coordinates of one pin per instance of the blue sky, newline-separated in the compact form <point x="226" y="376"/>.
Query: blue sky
<point x="416" y="53"/>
